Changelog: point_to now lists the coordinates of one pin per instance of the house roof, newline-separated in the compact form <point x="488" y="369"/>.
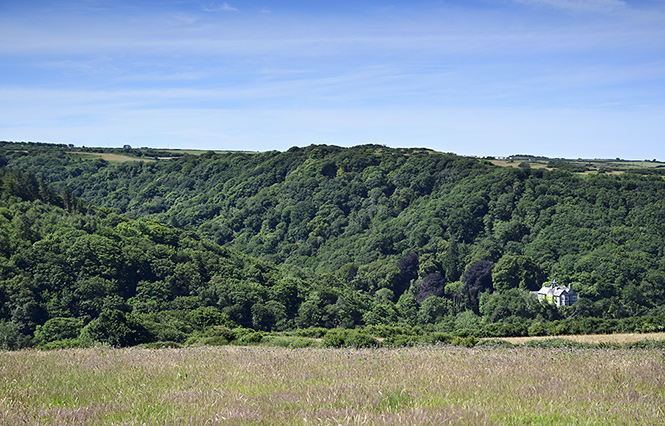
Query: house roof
<point x="555" y="290"/>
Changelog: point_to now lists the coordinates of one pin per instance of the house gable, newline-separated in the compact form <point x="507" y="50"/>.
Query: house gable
<point x="557" y="294"/>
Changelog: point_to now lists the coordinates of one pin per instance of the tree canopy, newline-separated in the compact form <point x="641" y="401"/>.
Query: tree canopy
<point x="317" y="236"/>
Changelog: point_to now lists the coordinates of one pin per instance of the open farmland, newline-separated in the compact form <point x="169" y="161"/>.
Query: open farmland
<point x="267" y="386"/>
<point x="113" y="158"/>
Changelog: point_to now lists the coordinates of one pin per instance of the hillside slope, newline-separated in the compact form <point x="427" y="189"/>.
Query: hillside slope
<point x="402" y="224"/>
<point x="69" y="271"/>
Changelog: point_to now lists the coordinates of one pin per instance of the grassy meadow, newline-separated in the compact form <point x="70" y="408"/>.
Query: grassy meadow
<point x="271" y="385"/>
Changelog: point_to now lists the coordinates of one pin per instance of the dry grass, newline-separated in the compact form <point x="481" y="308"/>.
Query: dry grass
<point x="268" y="386"/>
<point x="113" y="158"/>
<point x="505" y="163"/>
<point x="594" y="338"/>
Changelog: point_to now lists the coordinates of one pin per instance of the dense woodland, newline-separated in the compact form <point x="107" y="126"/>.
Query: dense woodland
<point x="222" y="245"/>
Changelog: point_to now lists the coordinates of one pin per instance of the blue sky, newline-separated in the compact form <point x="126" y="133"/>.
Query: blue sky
<point x="561" y="78"/>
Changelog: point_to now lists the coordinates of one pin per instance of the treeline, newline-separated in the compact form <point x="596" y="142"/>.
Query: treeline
<point x="368" y="235"/>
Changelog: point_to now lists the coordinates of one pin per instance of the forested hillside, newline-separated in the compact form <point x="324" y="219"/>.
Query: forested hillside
<point x="380" y="235"/>
<point x="70" y="271"/>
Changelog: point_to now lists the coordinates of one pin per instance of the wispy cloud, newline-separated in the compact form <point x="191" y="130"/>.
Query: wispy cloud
<point x="504" y="74"/>
<point x="224" y="7"/>
<point x="602" y="6"/>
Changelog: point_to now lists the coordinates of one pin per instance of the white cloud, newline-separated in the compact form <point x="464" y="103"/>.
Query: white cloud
<point x="580" y="5"/>
<point x="224" y="7"/>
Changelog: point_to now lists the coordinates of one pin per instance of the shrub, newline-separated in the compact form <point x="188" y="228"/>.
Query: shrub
<point x="348" y="338"/>
<point x="360" y="340"/>
<point x="467" y="342"/>
<point x="402" y="340"/>
<point x="214" y="341"/>
<point x="311" y="332"/>
<point x="63" y="344"/>
<point x="435" y="338"/>
<point x="501" y="329"/>
<point x="168" y="334"/>
<point x="57" y="329"/>
<point x="554" y="343"/>
<point x="212" y="336"/>
<point x="334" y="338"/>
<point x="536" y="329"/>
<point x="240" y="332"/>
<point x="463" y="332"/>
<point x="560" y="329"/>
<point x="288" y="341"/>
<point x="385" y="331"/>
<point x="251" y="338"/>
<point x="222" y="331"/>
<point x="650" y="327"/>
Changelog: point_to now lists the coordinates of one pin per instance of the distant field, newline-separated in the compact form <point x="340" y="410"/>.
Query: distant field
<point x="616" y="166"/>
<point x="277" y="386"/>
<point x="114" y="158"/>
<point x="506" y="163"/>
<point x="594" y="338"/>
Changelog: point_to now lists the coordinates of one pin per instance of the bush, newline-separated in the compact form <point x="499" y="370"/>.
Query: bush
<point x="360" y="340"/>
<point x="467" y="342"/>
<point x="334" y="338"/>
<point x="560" y="329"/>
<point x="62" y="344"/>
<point x="311" y="332"/>
<point x="240" y="332"/>
<point x="462" y="332"/>
<point x="650" y="327"/>
<point x="435" y="338"/>
<point x="385" y="331"/>
<point x="536" y="329"/>
<point x="402" y="340"/>
<point x="213" y="341"/>
<point x="252" y="338"/>
<point x="348" y="338"/>
<point x="288" y="341"/>
<point x="222" y="331"/>
<point x="554" y="343"/>
<point x="502" y="329"/>
<point x="57" y="329"/>
<point x="168" y="334"/>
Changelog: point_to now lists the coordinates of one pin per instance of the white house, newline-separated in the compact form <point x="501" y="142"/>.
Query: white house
<point x="557" y="294"/>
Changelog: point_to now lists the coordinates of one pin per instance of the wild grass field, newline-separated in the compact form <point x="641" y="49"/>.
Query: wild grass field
<point x="278" y="386"/>
<point x="616" y="338"/>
